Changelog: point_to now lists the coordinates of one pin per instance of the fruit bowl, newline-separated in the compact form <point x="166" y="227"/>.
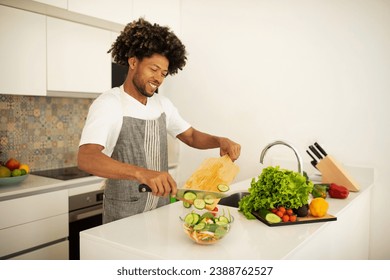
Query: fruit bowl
<point x="206" y="228"/>
<point x="7" y="181"/>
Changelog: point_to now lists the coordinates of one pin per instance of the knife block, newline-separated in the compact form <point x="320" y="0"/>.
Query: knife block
<point x="333" y="172"/>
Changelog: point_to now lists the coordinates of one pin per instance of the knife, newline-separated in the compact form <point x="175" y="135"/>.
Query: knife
<point x="320" y="149"/>
<point x="314" y="161"/>
<point x="181" y="192"/>
<point x="315" y="152"/>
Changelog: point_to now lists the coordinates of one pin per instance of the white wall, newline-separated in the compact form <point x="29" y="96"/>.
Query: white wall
<point x="303" y="71"/>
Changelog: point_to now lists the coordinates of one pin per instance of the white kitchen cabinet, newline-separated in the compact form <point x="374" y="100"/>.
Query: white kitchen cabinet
<point x="57" y="3"/>
<point x="58" y="251"/>
<point x="77" y="58"/>
<point x="22" y="52"/>
<point x="33" y="223"/>
<point x="118" y="11"/>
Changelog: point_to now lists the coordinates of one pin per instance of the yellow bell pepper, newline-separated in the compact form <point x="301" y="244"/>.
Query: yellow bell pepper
<point x="318" y="207"/>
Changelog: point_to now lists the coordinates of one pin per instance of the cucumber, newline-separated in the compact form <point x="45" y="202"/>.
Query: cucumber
<point x="199" y="226"/>
<point x="209" y="199"/>
<point x="187" y="204"/>
<point x="269" y="216"/>
<point x="199" y="203"/>
<point x="196" y="218"/>
<point x="223" y="220"/>
<point x="189" y="195"/>
<point x="223" y="187"/>
<point x="189" y="219"/>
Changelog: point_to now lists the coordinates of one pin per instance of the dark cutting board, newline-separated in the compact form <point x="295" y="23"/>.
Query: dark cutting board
<point x="300" y="220"/>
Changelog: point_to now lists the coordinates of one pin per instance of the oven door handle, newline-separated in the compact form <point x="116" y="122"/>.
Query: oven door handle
<point x="85" y="213"/>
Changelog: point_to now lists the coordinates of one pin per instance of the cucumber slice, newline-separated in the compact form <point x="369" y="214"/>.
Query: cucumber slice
<point x="187" y="204"/>
<point x="189" y="195"/>
<point x="188" y="219"/>
<point x="196" y="218"/>
<point x="199" y="203"/>
<point x="269" y="216"/>
<point x="209" y="199"/>
<point x="273" y="218"/>
<point x="223" y="188"/>
<point x="223" y="219"/>
<point x="199" y="226"/>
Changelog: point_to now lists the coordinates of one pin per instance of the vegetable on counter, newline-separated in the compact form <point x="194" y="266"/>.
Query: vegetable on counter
<point x="318" y="207"/>
<point x="276" y="187"/>
<point x="336" y="191"/>
<point x="320" y="190"/>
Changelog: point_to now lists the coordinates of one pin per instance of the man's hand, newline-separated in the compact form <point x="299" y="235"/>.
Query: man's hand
<point x="161" y="183"/>
<point x="232" y="149"/>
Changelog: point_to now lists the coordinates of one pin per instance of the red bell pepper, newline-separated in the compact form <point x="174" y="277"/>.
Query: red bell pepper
<point x="336" y="191"/>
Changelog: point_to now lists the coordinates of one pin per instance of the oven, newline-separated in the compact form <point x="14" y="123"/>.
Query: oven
<point x="85" y="212"/>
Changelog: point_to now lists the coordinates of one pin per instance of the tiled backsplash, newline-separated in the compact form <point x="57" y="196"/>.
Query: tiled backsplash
<point x="43" y="132"/>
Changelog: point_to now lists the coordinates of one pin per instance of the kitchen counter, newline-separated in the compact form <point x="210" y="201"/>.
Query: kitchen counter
<point x="158" y="234"/>
<point x="37" y="184"/>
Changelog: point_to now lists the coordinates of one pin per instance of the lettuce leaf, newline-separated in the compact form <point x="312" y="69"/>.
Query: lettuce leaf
<point x="276" y="187"/>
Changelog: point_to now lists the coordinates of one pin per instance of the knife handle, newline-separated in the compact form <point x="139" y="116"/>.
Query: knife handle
<point x="144" y="188"/>
<point x="311" y="155"/>
<point x="320" y="149"/>
<point x="315" y="152"/>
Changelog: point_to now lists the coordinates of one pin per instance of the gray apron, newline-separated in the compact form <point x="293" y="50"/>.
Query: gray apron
<point x="142" y="143"/>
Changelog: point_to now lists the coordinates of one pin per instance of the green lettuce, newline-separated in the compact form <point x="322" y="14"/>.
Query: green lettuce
<point x="276" y="187"/>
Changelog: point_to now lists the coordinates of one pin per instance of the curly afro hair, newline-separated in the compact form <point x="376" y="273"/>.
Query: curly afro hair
<point x="142" y="39"/>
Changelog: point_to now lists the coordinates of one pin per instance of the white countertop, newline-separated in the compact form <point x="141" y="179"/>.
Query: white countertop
<point x="158" y="234"/>
<point x="38" y="184"/>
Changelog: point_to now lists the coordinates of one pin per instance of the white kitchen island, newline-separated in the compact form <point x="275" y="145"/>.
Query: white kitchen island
<point x="158" y="234"/>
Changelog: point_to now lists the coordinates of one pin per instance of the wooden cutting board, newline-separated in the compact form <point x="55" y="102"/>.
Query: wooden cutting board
<point x="211" y="173"/>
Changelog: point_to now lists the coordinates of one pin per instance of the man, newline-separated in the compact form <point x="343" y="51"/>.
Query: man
<point x="125" y="134"/>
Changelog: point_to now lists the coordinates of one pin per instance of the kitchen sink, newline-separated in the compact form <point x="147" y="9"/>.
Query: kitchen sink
<point x="233" y="200"/>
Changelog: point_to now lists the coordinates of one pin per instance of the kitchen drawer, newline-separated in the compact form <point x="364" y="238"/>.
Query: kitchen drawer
<point x="30" y="235"/>
<point x="57" y="251"/>
<point x="36" y="207"/>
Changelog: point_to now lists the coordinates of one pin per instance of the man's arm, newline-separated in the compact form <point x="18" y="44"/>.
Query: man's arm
<point x="201" y="140"/>
<point x="91" y="159"/>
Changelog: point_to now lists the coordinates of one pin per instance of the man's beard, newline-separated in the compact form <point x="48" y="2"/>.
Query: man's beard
<point x="141" y="89"/>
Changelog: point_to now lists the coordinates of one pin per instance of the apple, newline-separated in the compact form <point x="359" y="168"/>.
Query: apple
<point x="12" y="164"/>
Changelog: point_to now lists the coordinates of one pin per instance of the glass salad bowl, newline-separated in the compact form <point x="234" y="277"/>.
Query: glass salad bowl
<point x="207" y="228"/>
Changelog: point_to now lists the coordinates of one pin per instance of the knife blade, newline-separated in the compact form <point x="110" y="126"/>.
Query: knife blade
<point x="181" y="192"/>
<point x="320" y="149"/>
<point x="315" y="152"/>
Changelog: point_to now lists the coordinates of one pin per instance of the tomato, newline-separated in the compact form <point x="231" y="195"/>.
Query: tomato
<point x="286" y="218"/>
<point x="282" y="209"/>
<point x="279" y="213"/>
<point x="293" y="218"/>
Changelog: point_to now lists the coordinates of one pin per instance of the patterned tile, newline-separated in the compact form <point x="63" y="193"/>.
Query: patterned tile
<point x="43" y="132"/>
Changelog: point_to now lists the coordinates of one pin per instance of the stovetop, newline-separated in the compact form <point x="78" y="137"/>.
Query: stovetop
<point x="66" y="173"/>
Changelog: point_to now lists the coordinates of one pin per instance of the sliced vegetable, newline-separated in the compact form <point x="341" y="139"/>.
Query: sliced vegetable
<point x="205" y="228"/>
<point x="199" y="203"/>
<point x="189" y="219"/>
<point x="223" y="187"/>
<point x="209" y="199"/>
<point x="189" y="195"/>
<point x="270" y="217"/>
<point x="186" y="204"/>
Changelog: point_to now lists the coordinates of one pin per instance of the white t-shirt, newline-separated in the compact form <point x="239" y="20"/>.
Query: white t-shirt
<point x="105" y="117"/>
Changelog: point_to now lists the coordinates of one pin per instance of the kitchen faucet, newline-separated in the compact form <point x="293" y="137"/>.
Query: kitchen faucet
<point x="300" y="166"/>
